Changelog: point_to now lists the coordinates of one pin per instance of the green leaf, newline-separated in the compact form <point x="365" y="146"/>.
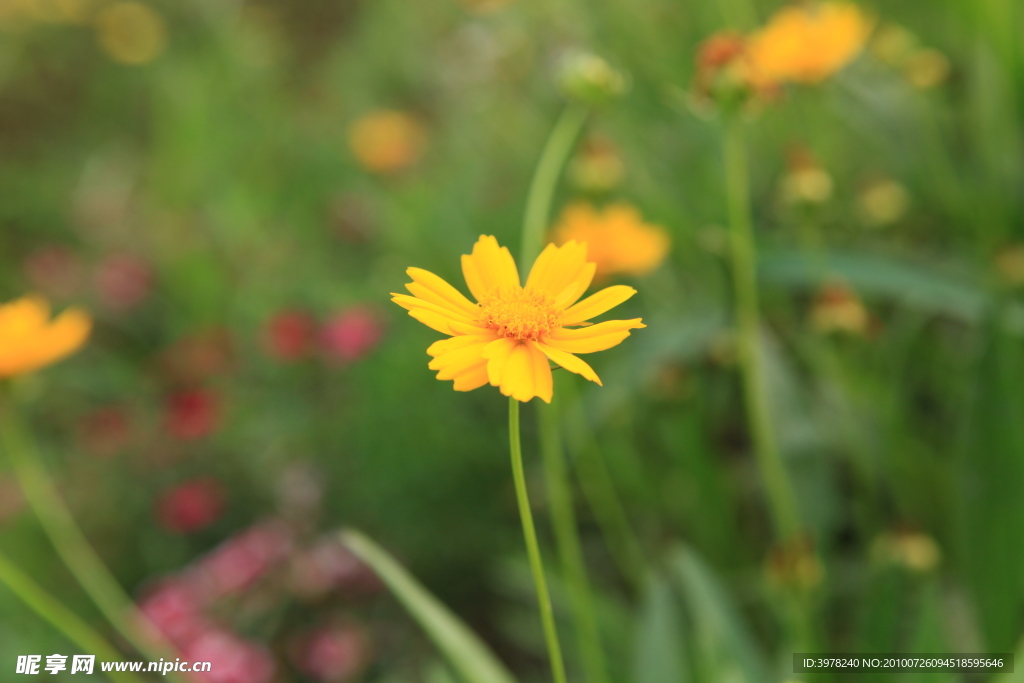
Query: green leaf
<point x="991" y="477"/>
<point x="719" y="626"/>
<point x="468" y="655"/>
<point x="659" y="645"/>
<point x="953" y="291"/>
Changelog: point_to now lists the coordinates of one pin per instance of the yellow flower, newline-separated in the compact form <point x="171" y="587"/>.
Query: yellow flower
<point x="809" y="43"/>
<point x="617" y="238"/>
<point x="508" y="336"/>
<point x="29" y="340"/>
<point x="131" y="33"/>
<point x="386" y="141"/>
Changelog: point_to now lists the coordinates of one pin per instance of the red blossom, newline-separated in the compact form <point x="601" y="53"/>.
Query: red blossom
<point x="191" y="506"/>
<point x="352" y="334"/>
<point x="332" y="654"/>
<point x="174" y="609"/>
<point x="241" y="560"/>
<point x="289" y="335"/>
<point x="192" y="414"/>
<point x="232" y="659"/>
<point x="123" y="281"/>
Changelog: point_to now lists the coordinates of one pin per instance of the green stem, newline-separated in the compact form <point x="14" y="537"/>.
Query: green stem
<point x="60" y="617"/>
<point x="545" y="178"/>
<point x="556" y="479"/>
<point x="71" y="544"/>
<point x="748" y="323"/>
<point x="599" y="490"/>
<point x="532" y="547"/>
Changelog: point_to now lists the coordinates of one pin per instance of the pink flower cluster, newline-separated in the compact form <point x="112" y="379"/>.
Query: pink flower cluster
<point x="347" y="336"/>
<point x="182" y="607"/>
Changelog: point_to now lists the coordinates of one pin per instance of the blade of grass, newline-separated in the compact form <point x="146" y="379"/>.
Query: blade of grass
<point x="468" y="655"/>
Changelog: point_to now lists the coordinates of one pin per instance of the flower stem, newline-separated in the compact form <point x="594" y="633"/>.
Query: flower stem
<point x="532" y="547"/>
<point x="599" y="489"/>
<point x="570" y="550"/>
<point x="748" y="322"/>
<point x="60" y="617"/>
<point x="545" y="178"/>
<point x="71" y="544"/>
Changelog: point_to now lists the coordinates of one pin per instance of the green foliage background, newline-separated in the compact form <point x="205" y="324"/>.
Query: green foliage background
<point x="224" y="165"/>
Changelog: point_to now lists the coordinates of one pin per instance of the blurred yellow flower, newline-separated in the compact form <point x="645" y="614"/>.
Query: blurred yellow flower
<point x="883" y="202"/>
<point x="131" y="33"/>
<point x="913" y="550"/>
<point x="837" y="308"/>
<point x="806" y="44"/>
<point x="926" y="68"/>
<point x="510" y="334"/>
<point x="806" y="181"/>
<point x="29" y="340"/>
<point x="617" y="238"/>
<point x="385" y="141"/>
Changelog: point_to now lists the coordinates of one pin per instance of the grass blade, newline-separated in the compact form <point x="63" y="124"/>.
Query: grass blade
<point x="468" y="655"/>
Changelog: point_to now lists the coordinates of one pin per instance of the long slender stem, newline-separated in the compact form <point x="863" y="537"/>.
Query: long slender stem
<point x="60" y="617"/>
<point x="545" y="178"/>
<point x="71" y="544"/>
<point x="599" y="489"/>
<point x="570" y="550"/>
<point x="547" y="615"/>
<point x="748" y="322"/>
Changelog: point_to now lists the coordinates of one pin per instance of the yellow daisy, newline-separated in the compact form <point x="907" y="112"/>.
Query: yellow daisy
<point x="508" y="336"/>
<point x="29" y="340"/>
<point x="618" y="239"/>
<point x="806" y="44"/>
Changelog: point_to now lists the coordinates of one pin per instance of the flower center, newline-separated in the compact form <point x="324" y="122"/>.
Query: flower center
<point x="517" y="313"/>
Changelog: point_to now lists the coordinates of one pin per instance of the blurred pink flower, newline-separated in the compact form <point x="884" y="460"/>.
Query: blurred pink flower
<point x="105" y="432"/>
<point x="174" y="609"/>
<point x="123" y="281"/>
<point x="55" y="271"/>
<point x="352" y="334"/>
<point x="241" y="560"/>
<point x="191" y="506"/>
<point x="332" y="654"/>
<point x="289" y="335"/>
<point x="191" y="414"/>
<point x="232" y="659"/>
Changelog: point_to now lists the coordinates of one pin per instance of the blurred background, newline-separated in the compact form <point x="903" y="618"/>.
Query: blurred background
<point x="233" y="188"/>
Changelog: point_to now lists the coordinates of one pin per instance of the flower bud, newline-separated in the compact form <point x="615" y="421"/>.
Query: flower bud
<point x="590" y="79"/>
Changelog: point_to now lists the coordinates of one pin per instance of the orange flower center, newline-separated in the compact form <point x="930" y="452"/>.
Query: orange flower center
<point x="517" y="313"/>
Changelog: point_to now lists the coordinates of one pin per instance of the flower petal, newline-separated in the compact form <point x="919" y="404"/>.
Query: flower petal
<point x="433" y="316"/>
<point x="430" y="287"/>
<point x="596" y="304"/>
<point x="560" y="267"/>
<point x="455" y="361"/>
<point x="472" y="378"/>
<point x="497" y="354"/>
<point x="413" y="302"/>
<point x="518" y="378"/>
<point x="443" y="346"/>
<point x="488" y="267"/>
<point x="543" y="382"/>
<point x="593" y="338"/>
<point x="569" y="362"/>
